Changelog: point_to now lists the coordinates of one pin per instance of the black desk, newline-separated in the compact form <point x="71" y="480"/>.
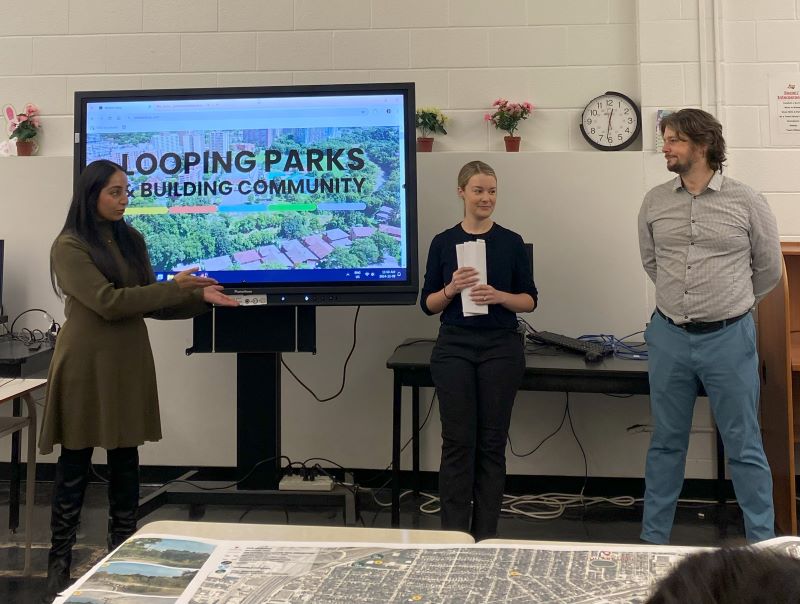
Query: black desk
<point x="17" y="360"/>
<point x="553" y="371"/>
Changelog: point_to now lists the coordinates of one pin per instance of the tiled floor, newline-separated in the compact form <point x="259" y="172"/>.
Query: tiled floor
<point x="707" y="525"/>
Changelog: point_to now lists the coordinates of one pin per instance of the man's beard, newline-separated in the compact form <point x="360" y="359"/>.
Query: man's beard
<point x="678" y="167"/>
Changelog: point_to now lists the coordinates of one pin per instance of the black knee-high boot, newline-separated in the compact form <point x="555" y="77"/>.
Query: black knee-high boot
<point x="123" y="494"/>
<point x="72" y="476"/>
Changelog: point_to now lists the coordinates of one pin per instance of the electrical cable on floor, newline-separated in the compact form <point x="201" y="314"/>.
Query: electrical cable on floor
<point x="223" y="487"/>
<point x="545" y="506"/>
<point x="431" y="506"/>
<point x="373" y="492"/>
<point x="549" y="506"/>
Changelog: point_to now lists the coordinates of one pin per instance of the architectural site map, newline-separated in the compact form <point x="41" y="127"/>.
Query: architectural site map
<point x="162" y="569"/>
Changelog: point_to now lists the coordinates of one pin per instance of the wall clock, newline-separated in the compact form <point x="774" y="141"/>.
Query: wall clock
<point x="611" y="121"/>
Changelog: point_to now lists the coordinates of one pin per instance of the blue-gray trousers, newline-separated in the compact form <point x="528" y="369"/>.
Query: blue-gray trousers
<point x="726" y="363"/>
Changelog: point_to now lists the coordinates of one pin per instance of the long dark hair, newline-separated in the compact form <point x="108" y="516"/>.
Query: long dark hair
<point x="82" y="222"/>
<point x="701" y="128"/>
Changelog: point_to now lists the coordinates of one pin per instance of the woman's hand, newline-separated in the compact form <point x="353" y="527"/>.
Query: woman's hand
<point x="463" y="278"/>
<point x="213" y="295"/>
<point x="187" y="280"/>
<point x="485" y="294"/>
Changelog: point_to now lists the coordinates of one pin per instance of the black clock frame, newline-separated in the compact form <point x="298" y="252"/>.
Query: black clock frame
<point x="628" y="142"/>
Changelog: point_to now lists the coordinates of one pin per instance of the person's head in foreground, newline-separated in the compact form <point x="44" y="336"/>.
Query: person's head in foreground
<point x="732" y="576"/>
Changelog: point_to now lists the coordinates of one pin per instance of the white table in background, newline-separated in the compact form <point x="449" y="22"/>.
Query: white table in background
<point x="10" y="389"/>
<point x="301" y="533"/>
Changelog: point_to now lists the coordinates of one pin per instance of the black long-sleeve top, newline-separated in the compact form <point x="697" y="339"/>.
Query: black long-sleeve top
<point x="507" y="269"/>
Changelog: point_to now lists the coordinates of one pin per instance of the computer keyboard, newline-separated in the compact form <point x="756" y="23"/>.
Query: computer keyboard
<point x="592" y="351"/>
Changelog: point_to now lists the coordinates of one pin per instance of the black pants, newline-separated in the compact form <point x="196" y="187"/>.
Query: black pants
<point x="477" y="373"/>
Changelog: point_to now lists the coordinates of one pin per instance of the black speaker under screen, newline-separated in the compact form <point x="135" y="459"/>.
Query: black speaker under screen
<point x="256" y="329"/>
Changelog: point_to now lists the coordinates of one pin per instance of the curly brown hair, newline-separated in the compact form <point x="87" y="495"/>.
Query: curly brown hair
<point x="701" y="128"/>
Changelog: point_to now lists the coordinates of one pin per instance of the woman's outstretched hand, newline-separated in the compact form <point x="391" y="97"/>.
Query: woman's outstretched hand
<point x="213" y="295"/>
<point x="188" y="280"/>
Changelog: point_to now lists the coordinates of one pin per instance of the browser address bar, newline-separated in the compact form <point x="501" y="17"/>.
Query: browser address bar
<point x="254" y="111"/>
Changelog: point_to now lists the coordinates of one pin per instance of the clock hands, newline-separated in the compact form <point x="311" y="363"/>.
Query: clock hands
<point x="623" y="125"/>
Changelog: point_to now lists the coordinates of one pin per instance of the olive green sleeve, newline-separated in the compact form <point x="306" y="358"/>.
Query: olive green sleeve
<point x="192" y="307"/>
<point x="79" y="277"/>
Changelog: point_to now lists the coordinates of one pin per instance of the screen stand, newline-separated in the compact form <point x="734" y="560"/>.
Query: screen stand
<point x="258" y="420"/>
<point x="257" y="335"/>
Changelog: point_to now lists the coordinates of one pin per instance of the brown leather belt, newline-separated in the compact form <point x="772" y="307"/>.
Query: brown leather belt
<point x="701" y="327"/>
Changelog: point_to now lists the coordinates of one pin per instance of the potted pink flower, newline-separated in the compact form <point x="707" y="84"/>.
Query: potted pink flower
<point x="24" y="127"/>
<point x="507" y="116"/>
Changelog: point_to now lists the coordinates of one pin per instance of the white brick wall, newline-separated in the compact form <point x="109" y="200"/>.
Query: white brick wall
<point x="218" y="52"/>
<point x="528" y="47"/>
<point x="461" y="53"/>
<point x="761" y="38"/>
<point x="34" y="18"/>
<point x="104" y="17"/>
<point x="142" y="53"/>
<point x="557" y="55"/>
<point x="258" y="15"/>
<point x="331" y="14"/>
<point x="409" y="13"/>
<point x="179" y="15"/>
<point x="384" y="49"/>
<point x="69" y="54"/>
<point x="16" y="56"/>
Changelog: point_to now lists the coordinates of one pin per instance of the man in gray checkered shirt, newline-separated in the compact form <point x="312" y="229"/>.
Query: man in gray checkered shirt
<point x="710" y="244"/>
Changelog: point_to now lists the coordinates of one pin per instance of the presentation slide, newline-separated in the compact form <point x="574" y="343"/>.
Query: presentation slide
<point x="258" y="189"/>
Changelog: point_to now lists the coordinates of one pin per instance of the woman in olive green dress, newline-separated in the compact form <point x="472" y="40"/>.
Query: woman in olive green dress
<point x="102" y="381"/>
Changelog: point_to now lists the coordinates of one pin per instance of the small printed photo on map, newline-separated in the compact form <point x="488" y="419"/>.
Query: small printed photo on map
<point x="147" y="569"/>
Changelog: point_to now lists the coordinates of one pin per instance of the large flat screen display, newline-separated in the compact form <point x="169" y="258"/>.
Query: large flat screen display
<point x="294" y="195"/>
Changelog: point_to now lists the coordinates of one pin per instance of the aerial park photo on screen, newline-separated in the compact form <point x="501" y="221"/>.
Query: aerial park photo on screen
<point x="249" y="192"/>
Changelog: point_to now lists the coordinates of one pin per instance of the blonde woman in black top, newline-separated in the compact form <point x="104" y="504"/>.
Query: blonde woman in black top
<point x="478" y="361"/>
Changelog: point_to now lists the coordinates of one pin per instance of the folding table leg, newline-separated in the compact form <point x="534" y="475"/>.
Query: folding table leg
<point x="30" y="481"/>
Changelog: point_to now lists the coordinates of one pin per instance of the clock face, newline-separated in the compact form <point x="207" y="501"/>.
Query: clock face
<point x="611" y="122"/>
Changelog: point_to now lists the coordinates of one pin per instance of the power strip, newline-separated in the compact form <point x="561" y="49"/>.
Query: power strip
<point x="296" y="483"/>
